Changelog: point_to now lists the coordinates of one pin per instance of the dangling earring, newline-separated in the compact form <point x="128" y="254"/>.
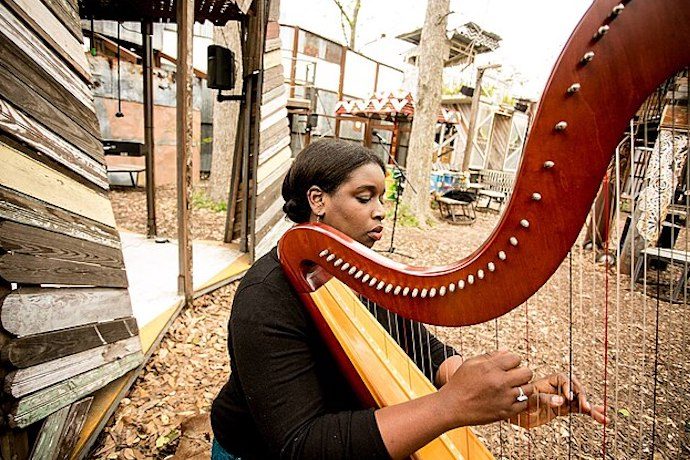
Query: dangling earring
<point x="319" y="217"/>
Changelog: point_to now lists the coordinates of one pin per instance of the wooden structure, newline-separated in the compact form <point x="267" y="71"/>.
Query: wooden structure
<point x="322" y="72"/>
<point x="66" y="315"/>
<point x="263" y="154"/>
<point x="65" y="311"/>
<point x="389" y="114"/>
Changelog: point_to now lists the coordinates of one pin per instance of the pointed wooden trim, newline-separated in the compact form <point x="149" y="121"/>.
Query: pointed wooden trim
<point x="30" y="311"/>
<point x="32" y="178"/>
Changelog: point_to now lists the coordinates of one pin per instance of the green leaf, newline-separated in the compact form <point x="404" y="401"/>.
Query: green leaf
<point x="624" y="412"/>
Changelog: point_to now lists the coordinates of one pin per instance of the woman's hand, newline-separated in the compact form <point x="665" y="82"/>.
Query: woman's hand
<point x="485" y="389"/>
<point x="557" y="395"/>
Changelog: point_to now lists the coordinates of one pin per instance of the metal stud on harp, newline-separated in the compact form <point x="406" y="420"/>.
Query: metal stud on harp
<point x="564" y="141"/>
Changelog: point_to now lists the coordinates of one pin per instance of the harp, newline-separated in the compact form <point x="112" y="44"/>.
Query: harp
<point x="618" y="55"/>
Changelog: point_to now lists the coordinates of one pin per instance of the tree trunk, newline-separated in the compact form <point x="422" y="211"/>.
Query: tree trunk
<point x="427" y="107"/>
<point x="225" y="115"/>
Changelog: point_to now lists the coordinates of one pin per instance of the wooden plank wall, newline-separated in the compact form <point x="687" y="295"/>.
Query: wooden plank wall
<point x="275" y="154"/>
<point x="66" y="316"/>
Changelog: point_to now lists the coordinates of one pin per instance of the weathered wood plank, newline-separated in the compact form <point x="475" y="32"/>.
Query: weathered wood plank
<point x="274" y="118"/>
<point x="24" y="269"/>
<point x="277" y="146"/>
<point x="46" y="446"/>
<point x="273" y="106"/>
<point x="37" y="405"/>
<point x="269" y="214"/>
<point x="41" y="80"/>
<point x="275" y="175"/>
<point x="51" y="146"/>
<point x="30" y="177"/>
<point x="21" y="208"/>
<point x="75" y="422"/>
<point x="46" y="26"/>
<point x="272" y="59"/>
<point x="42" y="110"/>
<point x="24" y="239"/>
<point x="24" y="381"/>
<point x="280" y="129"/>
<point x="277" y="220"/>
<point x="273" y="44"/>
<point x="274" y="163"/>
<point x="272" y="94"/>
<point x="272" y="193"/>
<point x="15" y="31"/>
<point x="36" y="349"/>
<point x="67" y="15"/>
<point x="30" y="311"/>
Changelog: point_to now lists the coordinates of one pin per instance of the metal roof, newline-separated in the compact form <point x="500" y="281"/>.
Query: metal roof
<point x="218" y="12"/>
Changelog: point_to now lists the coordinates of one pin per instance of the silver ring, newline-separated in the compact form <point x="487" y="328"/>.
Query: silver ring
<point x="522" y="397"/>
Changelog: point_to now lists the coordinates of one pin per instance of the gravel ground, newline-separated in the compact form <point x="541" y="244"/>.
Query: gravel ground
<point x="166" y="410"/>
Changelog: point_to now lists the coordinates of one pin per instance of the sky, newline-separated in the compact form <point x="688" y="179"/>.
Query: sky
<point x="533" y="31"/>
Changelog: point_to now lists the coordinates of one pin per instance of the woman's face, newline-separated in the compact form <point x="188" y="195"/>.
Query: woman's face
<point x="356" y="207"/>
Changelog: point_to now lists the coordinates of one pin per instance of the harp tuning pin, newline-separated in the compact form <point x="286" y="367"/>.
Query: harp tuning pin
<point x="323" y="253"/>
<point x="502" y="255"/>
<point x="415" y="291"/>
<point x="423" y="293"/>
<point x="406" y="291"/>
<point x="524" y="223"/>
<point x="337" y="262"/>
<point x="561" y="126"/>
<point x="432" y="292"/>
<point x="574" y="88"/>
<point x="442" y="291"/>
<point x="480" y="274"/>
<point x="536" y="196"/>
<point x="359" y="274"/>
<point x="603" y="30"/>
<point x="380" y="285"/>
<point x="451" y="287"/>
<point x="587" y="58"/>
<point x="389" y="288"/>
<point x="352" y="270"/>
<point x="618" y="9"/>
<point x="331" y="257"/>
<point x="345" y="266"/>
<point x="396" y="291"/>
<point x="372" y="281"/>
<point x="513" y="241"/>
<point x="461" y="284"/>
<point x="470" y="279"/>
<point x="365" y="278"/>
<point x="549" y="164"/>
<point x="491" y="266"/>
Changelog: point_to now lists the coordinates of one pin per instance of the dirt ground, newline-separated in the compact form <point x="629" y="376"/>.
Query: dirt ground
<point x="585" y="313"/>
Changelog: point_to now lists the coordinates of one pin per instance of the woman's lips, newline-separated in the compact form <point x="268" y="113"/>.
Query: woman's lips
<point x="376" y="233"/>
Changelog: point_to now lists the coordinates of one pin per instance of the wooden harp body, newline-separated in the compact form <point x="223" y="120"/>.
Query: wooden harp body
<point x="616" y="57"/>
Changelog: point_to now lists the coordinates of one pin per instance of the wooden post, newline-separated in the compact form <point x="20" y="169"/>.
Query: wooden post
<point x="147" y="61"/>
<point x="183" y="77"/>
<point x="340" y="87"/>
<point x="376" y="77"/>
<point x="476" y="100"/>
<point x="293" y="64"/>
<point x="255" y="134"/>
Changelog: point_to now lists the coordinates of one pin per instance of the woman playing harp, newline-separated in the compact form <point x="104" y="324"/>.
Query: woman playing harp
<point x="286" y="397"/>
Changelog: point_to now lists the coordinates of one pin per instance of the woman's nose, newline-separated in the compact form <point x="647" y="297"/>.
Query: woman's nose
<point x="380" y="211"/>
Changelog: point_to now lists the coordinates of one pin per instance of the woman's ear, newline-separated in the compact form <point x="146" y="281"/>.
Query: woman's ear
<point x="316" y="198"/>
